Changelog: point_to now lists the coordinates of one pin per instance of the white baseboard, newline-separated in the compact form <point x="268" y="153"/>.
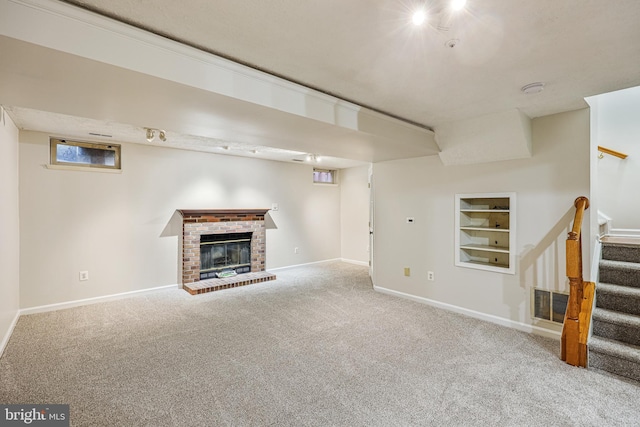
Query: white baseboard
<point x="353" y="261"/>
<point x="87" y="301"/>
<point x="475" y="314"/>
<point x="349" y="261"/>
<point x="5" y="339"/>
<point x="624" y="232"/>
<point x="305" y="264"/>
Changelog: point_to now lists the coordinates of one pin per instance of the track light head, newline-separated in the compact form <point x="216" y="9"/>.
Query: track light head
<point x="151" y="134"/>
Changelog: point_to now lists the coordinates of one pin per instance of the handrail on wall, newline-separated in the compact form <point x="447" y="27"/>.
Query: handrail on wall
<point x="578" y="316"/>
<point x="612" y="152"/>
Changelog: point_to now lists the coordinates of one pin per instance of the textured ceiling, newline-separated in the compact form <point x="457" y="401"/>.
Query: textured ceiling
<point x="368" y="52"/>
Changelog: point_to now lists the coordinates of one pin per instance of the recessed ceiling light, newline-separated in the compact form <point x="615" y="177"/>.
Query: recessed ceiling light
<point x="419" y="16"/>
<point x="532" y="88"/>
<point x="458" y="4"/>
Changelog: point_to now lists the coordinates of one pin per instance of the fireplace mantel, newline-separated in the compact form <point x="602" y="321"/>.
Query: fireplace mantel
<point x="197" y="222"/>
<point x="188" y="213"/>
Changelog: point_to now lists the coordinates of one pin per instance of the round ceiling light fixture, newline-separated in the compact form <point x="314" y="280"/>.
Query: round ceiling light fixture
<point x="532" y="88"/>
<point x="458" y="4"/>
<point x="419" y="16"/>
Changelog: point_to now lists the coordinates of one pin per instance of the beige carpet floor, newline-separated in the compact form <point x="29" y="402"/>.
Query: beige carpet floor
<point x="316" y="347"/>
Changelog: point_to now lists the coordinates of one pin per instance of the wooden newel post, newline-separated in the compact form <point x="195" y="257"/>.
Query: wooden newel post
<point x="574" y="273"/>
<point x="571" y="348"/>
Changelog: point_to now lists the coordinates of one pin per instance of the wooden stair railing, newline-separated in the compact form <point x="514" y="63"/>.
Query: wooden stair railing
<point x="577" y="319"/>
<point x="614" y="153"/>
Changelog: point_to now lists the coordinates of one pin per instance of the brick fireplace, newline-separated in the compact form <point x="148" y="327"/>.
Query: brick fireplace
<point x="232" y="222"/>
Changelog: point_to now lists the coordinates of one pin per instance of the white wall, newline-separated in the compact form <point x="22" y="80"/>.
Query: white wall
<point x="354" y="206"/>
<point x="116" y="225"/>
<point x="9" y="227"/>
<point x="618" y="128"/>
<point x="546" y="186"/>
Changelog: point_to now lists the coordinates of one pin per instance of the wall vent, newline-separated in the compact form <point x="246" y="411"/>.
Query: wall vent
<point x="549" y="305"/>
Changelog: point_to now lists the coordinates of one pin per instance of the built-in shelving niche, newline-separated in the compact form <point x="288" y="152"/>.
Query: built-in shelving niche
<point x="485" y="231"/>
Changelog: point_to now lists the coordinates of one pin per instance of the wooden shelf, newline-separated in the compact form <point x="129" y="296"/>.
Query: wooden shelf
<point x="492" y="229"/>
<point x="486" y="248"/>
<point x="484" y="210"/>
<point x="483" y="265"/>
<point x="485" y="231"/>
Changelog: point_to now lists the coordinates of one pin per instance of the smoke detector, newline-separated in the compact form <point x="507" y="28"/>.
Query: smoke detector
<point x="451" y="43"/>
<point x="532" y="88"/>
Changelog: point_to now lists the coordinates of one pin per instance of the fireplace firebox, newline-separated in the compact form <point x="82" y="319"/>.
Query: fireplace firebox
<point x="224" y="254"/>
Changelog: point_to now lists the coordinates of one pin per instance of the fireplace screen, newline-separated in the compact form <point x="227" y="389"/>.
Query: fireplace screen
<point x="224" y="254"/>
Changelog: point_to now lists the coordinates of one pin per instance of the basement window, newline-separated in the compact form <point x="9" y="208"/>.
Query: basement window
<point x="84" y="154"/>
<point x="550" y="305"/>
<point x="325" y="176"/>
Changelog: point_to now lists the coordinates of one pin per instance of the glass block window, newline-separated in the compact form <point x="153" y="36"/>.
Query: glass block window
<point x="85" y="154"/>
<point x="549" y="305"/>
<point x="325" y="176"/>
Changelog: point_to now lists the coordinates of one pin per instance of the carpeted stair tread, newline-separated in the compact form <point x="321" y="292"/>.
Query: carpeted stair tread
<point x="615" y="358"/>
<point x="621" y="252"/>
<point x="626" y="291"/>
<point x="616" y="317"/>
<point x="620" y="272"/>
<point x="623" y="265"/>
<point x="616" y="326"/>
<point x="615" y="349"/>
<point x="624" y="299"/>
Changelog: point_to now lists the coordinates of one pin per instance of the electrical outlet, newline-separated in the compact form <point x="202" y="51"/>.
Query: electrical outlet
<point x="407" y="271"/>
<point x="296" y="250"/>
<point x="430" y="276"/>
<point x="274" y="207"/>
<point x="84" y="275"/>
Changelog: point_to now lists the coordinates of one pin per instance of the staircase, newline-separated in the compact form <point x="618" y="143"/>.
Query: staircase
<point x="615" y="343"/>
